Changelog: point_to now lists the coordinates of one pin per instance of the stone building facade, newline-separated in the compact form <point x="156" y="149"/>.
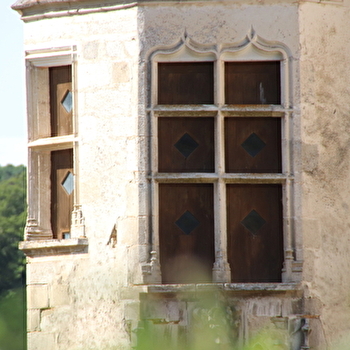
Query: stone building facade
<point x="181" y="151"/>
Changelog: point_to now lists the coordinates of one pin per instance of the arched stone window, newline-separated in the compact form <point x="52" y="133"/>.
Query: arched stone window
<point x="221" y="172"/>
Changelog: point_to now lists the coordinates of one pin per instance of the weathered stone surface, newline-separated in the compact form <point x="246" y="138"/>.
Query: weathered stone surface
<point x="33" y="320"/>
<point x="38" y="296"/>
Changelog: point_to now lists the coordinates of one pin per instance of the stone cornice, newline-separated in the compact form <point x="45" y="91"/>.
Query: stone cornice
<point x="39" y="9"/>
<point x="32" y="10"/>
<point x="52" y="247"/>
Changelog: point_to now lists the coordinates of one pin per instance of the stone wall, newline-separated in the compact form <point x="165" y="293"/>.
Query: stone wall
<point x="91" y="299"/>
<point x="324" y="162"/>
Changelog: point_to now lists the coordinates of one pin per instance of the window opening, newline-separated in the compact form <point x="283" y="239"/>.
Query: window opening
<point x="68" y="183"/>
<point x="67" y="101"/>
<point x="251" y="144"/>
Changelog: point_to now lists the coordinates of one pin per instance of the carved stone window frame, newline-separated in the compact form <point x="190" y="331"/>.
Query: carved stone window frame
<point x="41" y="144"/>
<point x="251" y="48"/>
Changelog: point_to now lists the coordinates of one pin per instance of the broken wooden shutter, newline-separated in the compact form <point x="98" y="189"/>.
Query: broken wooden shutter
<point x="62" y="186"/>
<point x="61" y="100"/>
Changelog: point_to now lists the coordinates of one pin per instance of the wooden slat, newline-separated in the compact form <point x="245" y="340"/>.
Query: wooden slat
<point x="255" y="257"/>
<point x="61" y="201"/>
<point x="186" y="83"/>
<point x="60" y="84"/>
<point x="252" y="83"/>
<point x="171" y="130"/>
<point x="186" y="258"/>
<point x="238" y="159"/>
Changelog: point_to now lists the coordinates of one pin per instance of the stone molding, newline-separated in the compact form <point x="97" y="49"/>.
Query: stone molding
<point x="54" y="247"/>
<point x="227" y="287"/>
<point x="251" y="46"/>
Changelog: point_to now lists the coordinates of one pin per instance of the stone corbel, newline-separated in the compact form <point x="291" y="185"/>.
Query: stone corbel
<point x="151" y="272"/>
<point x="305" y="328"/>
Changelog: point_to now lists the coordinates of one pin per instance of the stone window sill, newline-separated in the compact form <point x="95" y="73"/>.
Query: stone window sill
<point x="251" y="288"/>
<point x="54" y="247"/>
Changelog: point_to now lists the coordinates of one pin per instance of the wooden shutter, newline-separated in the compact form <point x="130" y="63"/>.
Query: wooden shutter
<point x="253" y="145"/>
<point x="252" y="83"/>
<point x="186" y="83"/>
<point x="61" y="100"/>
<point x="185" y="144"/>
<point x="186" y="232"/>
<point x="61" y="192"/>
<point x="254" y="229"/>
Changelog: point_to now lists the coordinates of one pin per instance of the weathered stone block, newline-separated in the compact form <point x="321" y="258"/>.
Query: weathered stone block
<point x="312" y="234"/>
<point x="41" y="341"/>
<point x="90" y="50"/>
<point x="59" y="295"/>
<point x="33" y="320"/>
<point x="37" y="296"/>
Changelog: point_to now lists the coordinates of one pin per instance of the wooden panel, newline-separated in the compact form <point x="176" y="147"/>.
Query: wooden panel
<point x="60" y="85"/>
<point x="187" y="254"/>
<point x="253" y="145"/>
<point x="254" y="229"/>
<point x="185" y="144"/>
<point x="252" y="83"/>
<point x="186" y="83"/>
<point x="61" y="201"/>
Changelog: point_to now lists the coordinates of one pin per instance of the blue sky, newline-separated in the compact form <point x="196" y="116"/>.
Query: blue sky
<point x="12" y="87"/>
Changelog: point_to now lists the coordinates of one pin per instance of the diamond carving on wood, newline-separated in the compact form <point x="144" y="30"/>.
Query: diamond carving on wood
<point x="253" y="144"/>
<point x="187" y="223"/>
<point x="253" y="222"/>
<point x="186" y="145"/>
<point x="67" y="101"/>
<point x="68" y="183"/>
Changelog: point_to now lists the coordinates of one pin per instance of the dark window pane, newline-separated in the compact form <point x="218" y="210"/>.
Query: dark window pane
<point x="253" y="145"/>
<point x="254" y="232"/>
<point x="185" y="144"/>
<point x="186" y="83"/>
<point x="252" y="83"/>
<point x="186" y="232"/>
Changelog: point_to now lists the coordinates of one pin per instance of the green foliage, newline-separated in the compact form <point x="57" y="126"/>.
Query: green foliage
<point x="12" y="320"/>
<point x="12" y="221"/>
<point x="211" y="325"/>
<point x="11" y="171"/>
<point x="12" y="261"/>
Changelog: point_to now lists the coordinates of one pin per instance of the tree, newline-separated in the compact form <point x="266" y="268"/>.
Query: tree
<point x="12" y="261"/>
<point x="12" y="222"/>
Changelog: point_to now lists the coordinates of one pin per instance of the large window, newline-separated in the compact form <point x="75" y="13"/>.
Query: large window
<point x="62" y="178"/>
<point x="218" y="175"/>
<point x="51" y="190"/>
